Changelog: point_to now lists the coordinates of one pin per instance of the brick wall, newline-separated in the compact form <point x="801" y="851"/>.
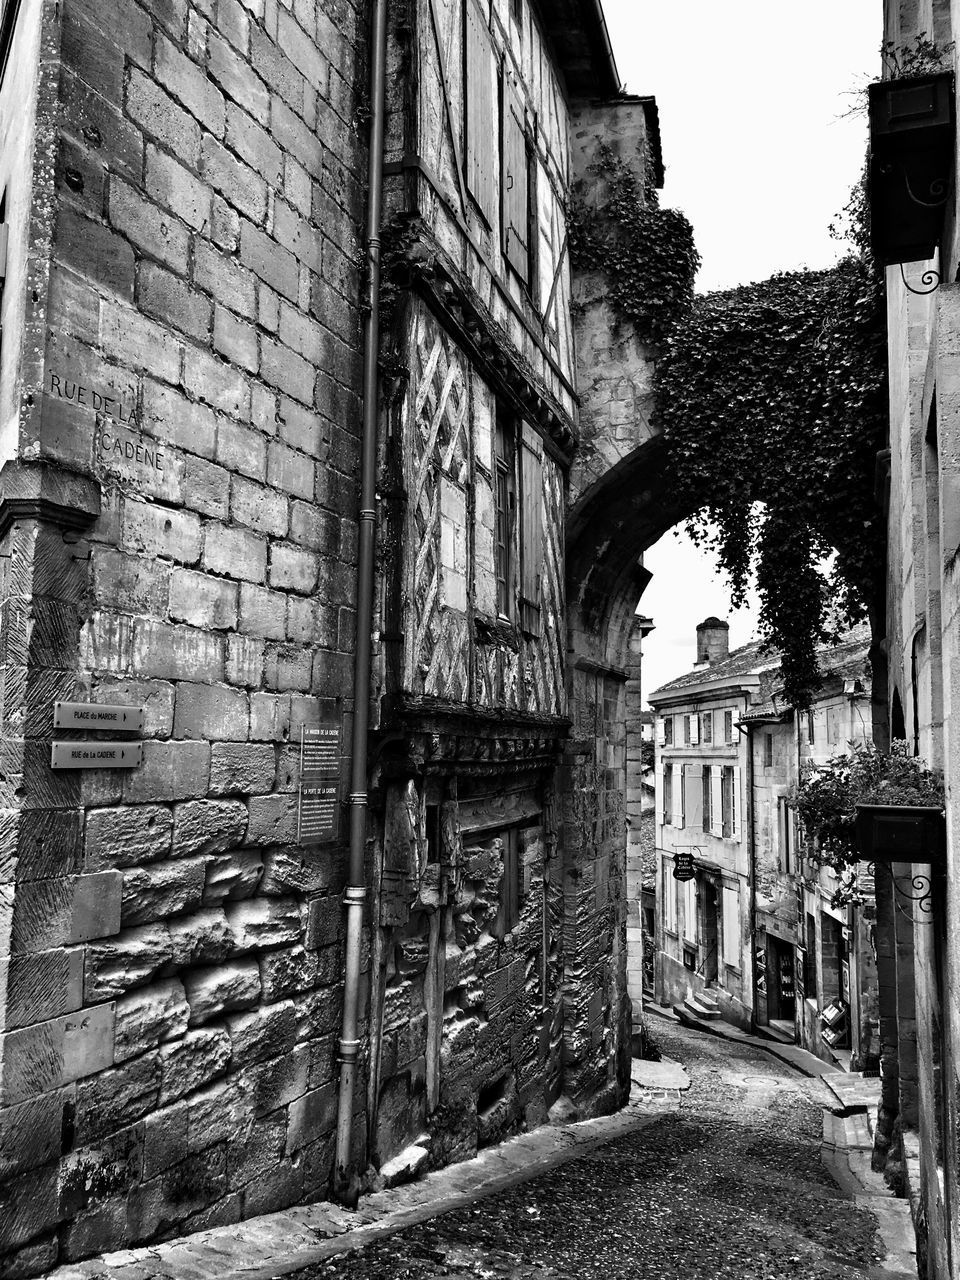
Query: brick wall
<point x="183" y="539"/>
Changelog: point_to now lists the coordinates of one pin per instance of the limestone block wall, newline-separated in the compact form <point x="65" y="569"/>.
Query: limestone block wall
<point x="179" y="534"/>
<point x="615" y="369"/>
<point x="596" y="1006"/>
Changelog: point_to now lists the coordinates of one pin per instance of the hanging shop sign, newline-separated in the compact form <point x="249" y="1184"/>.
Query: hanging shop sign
<point x="683" y="868"/>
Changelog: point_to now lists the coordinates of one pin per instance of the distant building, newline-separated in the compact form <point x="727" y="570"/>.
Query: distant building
<point x="753" y="933"/>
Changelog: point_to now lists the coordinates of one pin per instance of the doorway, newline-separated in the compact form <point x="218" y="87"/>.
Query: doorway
<point x="781" y="985"/>
<point x="709" y="967"/>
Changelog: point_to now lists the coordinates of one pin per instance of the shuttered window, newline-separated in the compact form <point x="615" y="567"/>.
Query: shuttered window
<point x="480" y="112"/>
<point x="707" y="801"/>
<point x="516" y="184"/>
<point x="505" y="501"/>
<point x="531" y="530"/>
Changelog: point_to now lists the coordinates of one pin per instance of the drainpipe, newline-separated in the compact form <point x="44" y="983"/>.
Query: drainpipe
<point x="752" y="872"/>
<point x="345" y="1179"/>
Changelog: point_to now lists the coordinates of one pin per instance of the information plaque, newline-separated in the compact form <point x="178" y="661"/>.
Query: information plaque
<point x="97" y="715"/>
<point x="96" y="755"/>
<point x="318" y="811"/>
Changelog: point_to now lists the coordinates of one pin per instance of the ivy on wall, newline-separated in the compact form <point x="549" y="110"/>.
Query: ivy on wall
<point x="772" y="399"/>
<point x="647" y="254"/>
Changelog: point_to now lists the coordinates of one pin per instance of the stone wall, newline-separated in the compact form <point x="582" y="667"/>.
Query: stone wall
<point x="180" y="536"/>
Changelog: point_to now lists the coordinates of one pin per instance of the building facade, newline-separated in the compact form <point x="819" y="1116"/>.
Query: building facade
<point x="816" y="978"/>
<point x="920" y="943"/>
<point x="754" y="931"/>
<point x="703" y="922"/>
<point x="187" y="376"/>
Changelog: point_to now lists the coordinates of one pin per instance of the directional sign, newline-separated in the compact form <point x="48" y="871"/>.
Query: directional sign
<point x="96" y="755"/>
<point x="96" y="715"/>
<point x="683" y="868"/>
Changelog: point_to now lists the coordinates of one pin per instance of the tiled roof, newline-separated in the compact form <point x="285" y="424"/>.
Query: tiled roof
<point x="747" y="660"/>
<point x="847" y="660"/>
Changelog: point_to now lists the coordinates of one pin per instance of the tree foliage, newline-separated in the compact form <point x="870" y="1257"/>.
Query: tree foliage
<point x="828" y="794"/>
<point x="772" y="399"/>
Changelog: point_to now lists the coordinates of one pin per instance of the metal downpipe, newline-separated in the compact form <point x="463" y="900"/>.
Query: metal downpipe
<point x="345" y="1178"/>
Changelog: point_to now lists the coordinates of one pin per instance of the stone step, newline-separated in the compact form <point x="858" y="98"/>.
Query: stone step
<point x="702" y="1011"/>
<point x="708" y="1000"/>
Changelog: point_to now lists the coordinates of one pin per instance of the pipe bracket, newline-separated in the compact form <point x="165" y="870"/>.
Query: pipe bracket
<point x="355" y="895"/>
<point x="349" y="1050"/>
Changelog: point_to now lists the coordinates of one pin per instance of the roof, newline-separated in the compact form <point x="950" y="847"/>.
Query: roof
<point x="578" y="33"/>
<point x="847" y="660"/>
<point x="748" y="660"/>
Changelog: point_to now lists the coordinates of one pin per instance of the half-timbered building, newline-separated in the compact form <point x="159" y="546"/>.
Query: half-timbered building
<point x="482" y="985"/>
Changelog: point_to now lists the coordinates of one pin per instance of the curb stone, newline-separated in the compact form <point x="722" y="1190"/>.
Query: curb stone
<point x="277" y="1244"/>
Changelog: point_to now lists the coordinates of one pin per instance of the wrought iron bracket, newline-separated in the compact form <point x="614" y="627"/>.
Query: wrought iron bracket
<point x="929" y="275"/>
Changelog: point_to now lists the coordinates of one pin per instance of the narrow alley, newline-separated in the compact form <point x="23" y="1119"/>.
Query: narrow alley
<point x="726" y="1180"/>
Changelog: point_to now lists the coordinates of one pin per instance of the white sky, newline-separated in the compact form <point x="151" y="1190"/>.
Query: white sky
<point x="759" y="156"/>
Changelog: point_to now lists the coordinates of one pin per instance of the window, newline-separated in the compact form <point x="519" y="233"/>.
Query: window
<point x="833" y="726"/>
<point x="690" y="909"/>
<point x="810" y="959"/>
<point x="731" y="925"/>
<point x="667" y="794"/>
<point x="531" y="529"/>
<point x="726" y="794"/>
<point x="669" y="899"/>
<point x="707" y="794"/>
<point x="508" y="917"/>
<point x="686" y="731"/>
<point x="518" y="554"/>
<point x="480" y="112"/>
<point x="517" y="179"/>
<point x="768" y="750"/>
<point x="707" y="734"/>
<point x="728" y="726"/>
<point x="786" y="835"/>
<point x="668" y="731"/>
<point x="810" y="733"/>
<point x="505" y="495"/>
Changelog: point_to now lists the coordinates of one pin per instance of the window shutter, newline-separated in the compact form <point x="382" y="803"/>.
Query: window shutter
<point x="677" y="796"/>
<point x="736" y="804"/>
<point x="531" y="531"/>
<point x="515" y="183"/>
<point x="731" y="925"/>
<point x="658" y="793"/>
<point x="480" y="112"/>
<point x="694" y="730"/>
<point x="661" y="731"/>
<point x="693" y="796"/>
<point x="716" y="800"/>
<point x="690" y="910"/>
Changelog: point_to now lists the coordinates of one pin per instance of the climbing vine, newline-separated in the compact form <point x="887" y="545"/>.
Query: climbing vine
<point x="647" y="254"/>
<point x="772" y="399"/>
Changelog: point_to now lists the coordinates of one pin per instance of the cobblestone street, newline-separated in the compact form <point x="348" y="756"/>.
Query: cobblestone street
<point x="729" y="1184"/>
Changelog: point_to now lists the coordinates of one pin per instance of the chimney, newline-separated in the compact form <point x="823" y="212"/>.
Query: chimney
<point x="713" y="641"/>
